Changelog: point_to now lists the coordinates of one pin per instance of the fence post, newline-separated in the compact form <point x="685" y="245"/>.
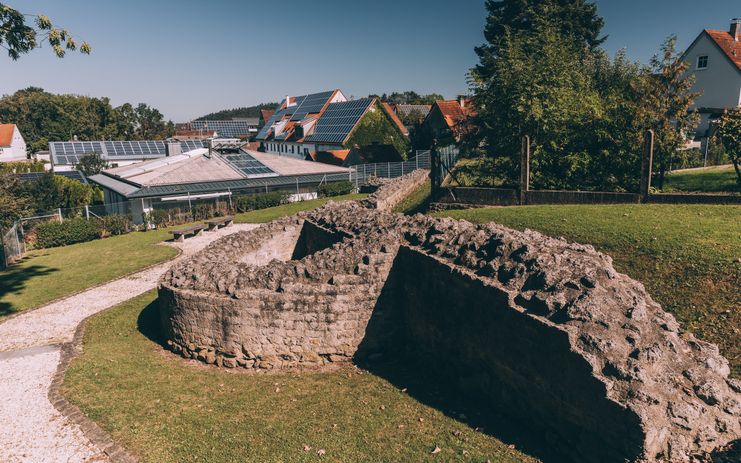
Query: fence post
<point x="87" y="212"/>
<point x="434" y="168"/>
<point x="59" y="211"/>
<point x="647" y="165"/>
<point x="524" y="168"/>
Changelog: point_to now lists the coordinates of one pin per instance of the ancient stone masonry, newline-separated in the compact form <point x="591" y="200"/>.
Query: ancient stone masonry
<point x="542" y="330"/>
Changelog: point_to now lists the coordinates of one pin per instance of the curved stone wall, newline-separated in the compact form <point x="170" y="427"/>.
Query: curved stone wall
<point x="542" y="330"/>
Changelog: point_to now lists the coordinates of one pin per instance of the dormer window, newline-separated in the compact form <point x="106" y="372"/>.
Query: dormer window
<point x="702" y="62"/>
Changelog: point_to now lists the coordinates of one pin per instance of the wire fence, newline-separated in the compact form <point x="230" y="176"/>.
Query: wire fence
<point x="362" y="173"/>
<point x="13" y="246"/>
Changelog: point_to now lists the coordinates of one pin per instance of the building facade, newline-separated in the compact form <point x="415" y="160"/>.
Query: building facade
<point x="12" y="145"/>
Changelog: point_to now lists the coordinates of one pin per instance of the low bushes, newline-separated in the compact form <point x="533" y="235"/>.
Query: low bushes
<point x="246" y="203"/>
<point x="77" y="230"/>
<point x="336" y="189"/>
<point x="115" y="224"/>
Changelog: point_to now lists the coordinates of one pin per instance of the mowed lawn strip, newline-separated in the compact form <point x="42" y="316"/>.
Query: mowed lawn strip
<point x="687" y="256"/>
<point x="165" y="410"/>
<point x="273" y="213"/>
<point x="708" y="179"/>
<point x="48" y="274"/>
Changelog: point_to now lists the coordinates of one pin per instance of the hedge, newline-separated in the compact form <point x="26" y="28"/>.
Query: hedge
<point x="77" y="230"/>
<point x="336" y="189"/>
<point x="246" y="203"/>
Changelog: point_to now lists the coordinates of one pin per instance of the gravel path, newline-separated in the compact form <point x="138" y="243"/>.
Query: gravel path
<point x="32" y="430"/>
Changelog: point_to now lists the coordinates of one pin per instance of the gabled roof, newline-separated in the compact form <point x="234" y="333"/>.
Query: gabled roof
<point x="452" y="111"/>
<point x="266" y="114"/>
<point x="392" y="114"/>
<point x="6" y="134"/>
<point x="726" y="42"/>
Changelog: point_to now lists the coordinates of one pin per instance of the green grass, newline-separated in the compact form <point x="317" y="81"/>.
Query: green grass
<point x="417" y="201"/>
<point x="273" y="213"/>
<point x="166" y="410"/>
<point x="687" y="256"/>
<point x="710" y="180"/>
<point x="48" y="274"/>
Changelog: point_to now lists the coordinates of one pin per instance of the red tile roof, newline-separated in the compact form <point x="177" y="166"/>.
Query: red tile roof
<point x="267" y="114"/>
<point x="453" y="112"/>
<point x="392" y="114"/>
<point x="6" y="134"/>
<point x="730" y="47"/>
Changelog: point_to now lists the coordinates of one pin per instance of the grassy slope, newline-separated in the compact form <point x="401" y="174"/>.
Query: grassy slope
<point x="709" y="179"/>
<point x="168" y="411"/>
<point x="686" y="255"/>
<point x="272" y="213"/>
<point x="417" y="201"/>
<point x="48" y="274"/>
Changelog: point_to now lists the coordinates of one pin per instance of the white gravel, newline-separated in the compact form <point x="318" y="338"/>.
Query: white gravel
<point x="31" y="429"/>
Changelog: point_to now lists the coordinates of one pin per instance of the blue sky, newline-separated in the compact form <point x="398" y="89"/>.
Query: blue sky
<point x="189" y="57"/>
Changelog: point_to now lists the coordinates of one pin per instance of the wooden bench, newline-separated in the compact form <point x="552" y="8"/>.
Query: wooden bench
<point x="218" y="222"/>
<point x="181" y="233"/>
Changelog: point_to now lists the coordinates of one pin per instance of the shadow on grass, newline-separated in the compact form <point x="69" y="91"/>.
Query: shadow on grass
<point x="148" y="323"/>
<point x="13" y="280"/>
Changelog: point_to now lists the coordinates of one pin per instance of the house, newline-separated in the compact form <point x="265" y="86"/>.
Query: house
<point x="189" y="134"/>
<point x="446" y="121"/>
<point x="241" y="128"/>
<point x="412" y="114"/>
<point x="265" y="115"/>
<point x="715" y="62"/>
<point x="65" y="155"/>
<point x="180" y="179"/>
<point x="369" y="154"/>
<point x="328" y="121"/>
<point x="12" y="144"/>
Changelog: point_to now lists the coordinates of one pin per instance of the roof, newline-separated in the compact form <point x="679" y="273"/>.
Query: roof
<point x="6" y="134"/>
<point x="405" y="109"/>
<point x="333" y="157"/>
<point x="392" y="114"/>
<point x="452" y="111"/>
<point x="195" y="172"/>
<point x="266" y="114"/>
<point x="378" y="153"/>
<point x="235" y="128"/>
<point x="70" y="152"/>
<point x="70" y="174"/>
<point x="726" y="42"/>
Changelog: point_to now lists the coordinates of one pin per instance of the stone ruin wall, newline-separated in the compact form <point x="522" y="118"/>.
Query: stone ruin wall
<point x="544" y="331"/>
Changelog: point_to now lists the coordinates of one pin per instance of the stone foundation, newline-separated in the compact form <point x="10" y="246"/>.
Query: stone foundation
<point x="541" y="330"/>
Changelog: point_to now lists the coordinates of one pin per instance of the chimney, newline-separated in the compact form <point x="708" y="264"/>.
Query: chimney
<point x="172" y="147"/>
<point x="736" y="29"/>
<point x="462" y="101"/>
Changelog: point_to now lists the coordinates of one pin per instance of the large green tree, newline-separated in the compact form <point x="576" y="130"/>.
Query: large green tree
<point x="21" y="33"/>
<point x="728" y="130"/>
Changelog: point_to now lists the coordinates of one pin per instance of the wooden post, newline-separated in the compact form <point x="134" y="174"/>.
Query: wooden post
<point x="647" y="165"/>
<point x="524" y="168"/>
<point x="434" y="169"/>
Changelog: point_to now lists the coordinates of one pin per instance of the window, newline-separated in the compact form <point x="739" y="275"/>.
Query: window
<point x="702" y="62"/>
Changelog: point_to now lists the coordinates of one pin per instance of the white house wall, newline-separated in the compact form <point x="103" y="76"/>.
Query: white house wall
<point x="17" y="149"/>
<point x="719" y="83"/>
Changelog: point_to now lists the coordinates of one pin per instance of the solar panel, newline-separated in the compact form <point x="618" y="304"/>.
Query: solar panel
<point x="338" y="121"/>
<point x="247" y="164"/>
<point x="34" y="176"/>
<point x="263" y="133"/>
<point x="311" y="104"/>
<point x="225" y="129"/>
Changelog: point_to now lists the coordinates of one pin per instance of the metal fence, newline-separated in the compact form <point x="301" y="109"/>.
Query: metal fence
<point x="13" y="245"/>
<point x="362" y="173"/>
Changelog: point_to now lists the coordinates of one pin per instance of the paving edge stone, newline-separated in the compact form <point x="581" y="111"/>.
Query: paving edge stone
<point x="97" y="436"/>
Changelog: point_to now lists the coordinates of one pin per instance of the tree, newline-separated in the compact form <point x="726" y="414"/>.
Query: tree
<point x="664" y="105"/>
<point x="53" y="191"/>
<point x="91" y="164"/>
<point x="18" y="37"/>
<point x="728" y="130"/>
<point x="12" y="204"/>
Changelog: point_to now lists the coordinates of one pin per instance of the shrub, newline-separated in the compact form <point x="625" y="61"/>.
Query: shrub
<point x="77" y="230"/>
<point x="336" y="188"/>
<point x="115" y="224"/>
<point x="245" y="203"/>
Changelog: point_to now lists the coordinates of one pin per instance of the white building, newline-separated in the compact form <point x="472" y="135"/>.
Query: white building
<point x="12" y="144"/>
<point x="715" y="62"/>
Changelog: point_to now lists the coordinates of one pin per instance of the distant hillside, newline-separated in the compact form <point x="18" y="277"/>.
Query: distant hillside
<point x="227" y="114"/>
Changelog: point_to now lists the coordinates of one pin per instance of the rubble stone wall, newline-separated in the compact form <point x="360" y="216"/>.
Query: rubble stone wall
<point x="543" y="330"/>
<point x="391" y="194"/>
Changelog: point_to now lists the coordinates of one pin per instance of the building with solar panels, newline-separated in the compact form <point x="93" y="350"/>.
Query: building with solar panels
<point x="325" y="122"/>
<point x="65" y="155"/>
<point x="181" y="179"/>
<point x="241" y="128"/>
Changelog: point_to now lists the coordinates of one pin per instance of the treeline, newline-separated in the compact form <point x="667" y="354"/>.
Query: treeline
<point x="43" y="117"/>
<point x="543" y="73"/>
<point x="247" y="111"/>
<point x="409" y="97"/>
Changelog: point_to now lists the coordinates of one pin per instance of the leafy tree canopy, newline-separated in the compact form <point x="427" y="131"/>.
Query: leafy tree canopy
<point x="20" y="33"/>
<point x="410" y="97"/>
<point x="91" y="164"/>
<point x="728" y="130"/>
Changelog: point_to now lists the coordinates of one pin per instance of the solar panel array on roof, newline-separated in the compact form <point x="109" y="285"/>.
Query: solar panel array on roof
<point x="70" y="152"/>
<point x="72" y="174"/>
<point x="263" y="133"/>
<point x="338" y="121"/>
<point x="247" y="164"/>
<point x="226" y="129"/>
<point x="311" y="104"/>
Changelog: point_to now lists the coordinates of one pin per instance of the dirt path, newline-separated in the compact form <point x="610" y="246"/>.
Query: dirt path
<point x="33" y="430"/>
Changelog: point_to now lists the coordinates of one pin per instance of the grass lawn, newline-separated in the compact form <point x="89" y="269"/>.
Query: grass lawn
<point x="708" y="179"/>
<point x="165" y="410"/>
<point x="273" y="213"/>
<point x="687" y="256"/>
<point x="47" y="274"/>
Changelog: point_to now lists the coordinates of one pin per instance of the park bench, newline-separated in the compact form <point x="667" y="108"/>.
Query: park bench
<point x="218" y="222"/>
<point x="181" y="233"/>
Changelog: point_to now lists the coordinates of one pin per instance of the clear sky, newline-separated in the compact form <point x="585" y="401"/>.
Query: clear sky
<point x="189" y="57"/>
